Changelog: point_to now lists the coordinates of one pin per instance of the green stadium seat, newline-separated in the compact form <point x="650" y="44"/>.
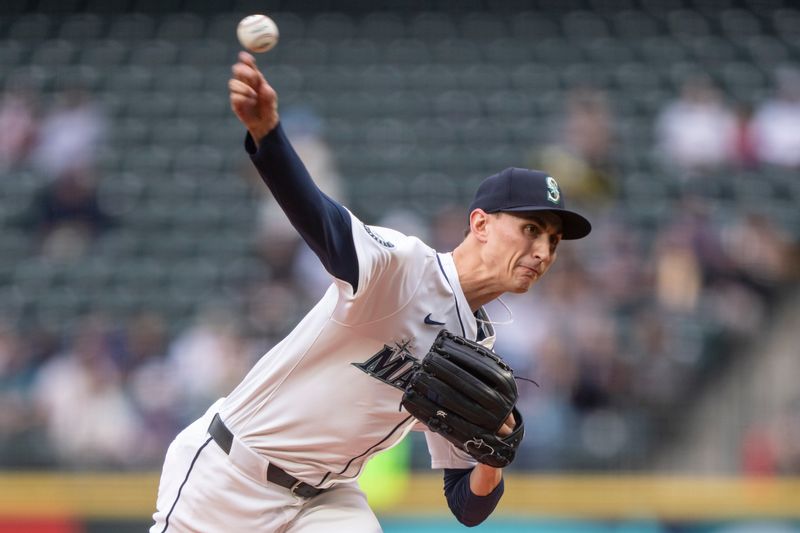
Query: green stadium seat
<point x="181" y="27"/>
<point x="110" y="7"/>
<point x="83" y="27"/>
<point x="510" y="105"/>
<point x="588" y="74"/>
<point x="15" y="246"/>
<point x="103" y="53"/>
<point x="604" y="52"/>
<point x="131" y="27"/>
<point x="482" y="26"/>
<point x="507" y="53"/>
<point x="534" y="77"/>
<point x="765" y="52"/>
<point x="455" y="52"/>
<point x="202" y="52"/>
<point x="175" y="134"/>
<point x="583" y="25"/>
<point x="481" y="77"/>
<point x="786" y="23"/>
<point x="203" y="105"/>
<point x="158" y="6"/>
<point x="85" y="77"/>
<point x="128" y="79"/>
<point x="331" y="27"/>
<point x="31" y="28"/>
<point x="710" y="49"/>
<point x="154" y="52"/>
<point x="407" y="52"/>
<point x="381" y="26"/>
<point x="354" y="52"/>
<point x="632" y="25"/>
<point x="683" y="23"/>
<point x="557" y="52"/>
<point x="12" y="53"/>
<point x="660" y="50"/>
<point x="334" y="78"/>
<point x="302" y="53"/>
<point x="739" y="23"/>
<point x="432" y="131"/>
<point x="432" y="26"/>
<point x="533" y="25"/>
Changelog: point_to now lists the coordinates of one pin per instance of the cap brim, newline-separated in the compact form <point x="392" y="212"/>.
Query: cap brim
<point x="573" y="225"/>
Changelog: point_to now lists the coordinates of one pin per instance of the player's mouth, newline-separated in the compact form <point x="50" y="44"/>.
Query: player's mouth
<point x="530" y="271"/>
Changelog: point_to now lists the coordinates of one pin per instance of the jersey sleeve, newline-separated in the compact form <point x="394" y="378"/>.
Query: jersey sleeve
<point x="321" y="221"/>
<point x="469" y="508"/>
<point x="445" y="455"/>
<point x="391" y="267"/>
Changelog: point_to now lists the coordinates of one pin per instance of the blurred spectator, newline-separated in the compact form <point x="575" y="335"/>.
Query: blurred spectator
<point x="271" y="308"/>
<point x="696" y="132"/>
<point x="772" y="447"/>
<point x="759" y="251"/>
<point x="677" y="268"/>
<point x="207" y="360"/>
<point x="447" y="227"/>
<point x="21" y="444"/>
<point x="66" y="214"/>
<point x="18" y="126"/>
<point x="149" y="384"/>
<point x="582" y="158"/>
<point x="745" y="152"/>
<point x="69" y="135"/>
<point x="776" y="125"/>
<point x="87" y="416"/>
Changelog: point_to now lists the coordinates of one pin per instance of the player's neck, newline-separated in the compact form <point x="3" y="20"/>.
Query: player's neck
<point x="476" y="281"/>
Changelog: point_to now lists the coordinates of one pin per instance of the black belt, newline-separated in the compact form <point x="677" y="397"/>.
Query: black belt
<point x="224" y="439"/>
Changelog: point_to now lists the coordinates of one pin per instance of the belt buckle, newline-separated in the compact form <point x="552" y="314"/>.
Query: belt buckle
<point x="294" y="487"/>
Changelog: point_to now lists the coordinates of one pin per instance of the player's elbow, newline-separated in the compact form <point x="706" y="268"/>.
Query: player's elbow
<point x="470" y="521"/>
<point x="469" y="508"/>
<point x="473" y="510"/>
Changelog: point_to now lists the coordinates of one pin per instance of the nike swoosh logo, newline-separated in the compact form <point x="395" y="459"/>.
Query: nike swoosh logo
<point x="432" y="322"/>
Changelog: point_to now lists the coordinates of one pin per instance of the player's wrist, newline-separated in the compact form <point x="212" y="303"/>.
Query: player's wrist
<point x="259" y="131"/>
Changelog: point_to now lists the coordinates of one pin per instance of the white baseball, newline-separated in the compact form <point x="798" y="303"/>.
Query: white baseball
<point x="257" y="33"/>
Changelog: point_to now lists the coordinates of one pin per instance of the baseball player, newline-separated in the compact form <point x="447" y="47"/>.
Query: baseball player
<point x="282" y="452"/>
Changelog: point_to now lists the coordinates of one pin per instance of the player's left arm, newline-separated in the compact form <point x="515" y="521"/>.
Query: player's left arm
<point x="473" y="493"/>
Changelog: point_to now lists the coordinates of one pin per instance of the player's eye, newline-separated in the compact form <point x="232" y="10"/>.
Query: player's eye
<point x="532" y="229"/>
<point x="554" y="240"/>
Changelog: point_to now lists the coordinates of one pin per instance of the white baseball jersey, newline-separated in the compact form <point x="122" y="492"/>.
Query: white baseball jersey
<point x="327" y="398"/>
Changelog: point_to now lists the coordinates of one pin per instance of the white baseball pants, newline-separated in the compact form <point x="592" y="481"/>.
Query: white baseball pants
<point x="202" y="490"/>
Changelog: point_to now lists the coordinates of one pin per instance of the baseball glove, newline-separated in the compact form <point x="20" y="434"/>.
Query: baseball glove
<point x="465" y="392"/>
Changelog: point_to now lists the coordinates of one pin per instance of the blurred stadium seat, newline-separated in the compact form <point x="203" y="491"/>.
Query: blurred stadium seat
<point x="414" y="103"/>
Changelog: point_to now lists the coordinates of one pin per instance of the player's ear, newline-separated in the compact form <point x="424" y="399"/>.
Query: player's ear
<point x="478" y="221"/>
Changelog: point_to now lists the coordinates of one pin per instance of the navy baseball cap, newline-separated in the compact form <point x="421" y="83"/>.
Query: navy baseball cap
<point x="520" y="190"/>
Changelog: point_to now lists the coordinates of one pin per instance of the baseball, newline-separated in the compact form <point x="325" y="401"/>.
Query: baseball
<point x="257" y="33"/>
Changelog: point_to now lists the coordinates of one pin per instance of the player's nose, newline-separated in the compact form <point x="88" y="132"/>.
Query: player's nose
<point x="541" y="250"/>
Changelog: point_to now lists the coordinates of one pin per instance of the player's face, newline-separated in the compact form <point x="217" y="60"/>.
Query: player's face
<point x="521" y="248"/>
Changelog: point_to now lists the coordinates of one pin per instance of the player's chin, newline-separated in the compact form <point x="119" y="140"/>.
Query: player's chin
<point x="523" y="284"/>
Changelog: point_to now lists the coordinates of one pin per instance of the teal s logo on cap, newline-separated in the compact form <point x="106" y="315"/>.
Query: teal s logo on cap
<point x="553" y="194"/>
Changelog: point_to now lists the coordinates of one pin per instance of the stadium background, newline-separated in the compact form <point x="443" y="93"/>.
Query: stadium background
<point x="143" y="268"/>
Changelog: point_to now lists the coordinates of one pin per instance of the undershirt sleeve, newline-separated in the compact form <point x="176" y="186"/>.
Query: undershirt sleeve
<point x="321" y="221"/>
<point x="469" y="508"/>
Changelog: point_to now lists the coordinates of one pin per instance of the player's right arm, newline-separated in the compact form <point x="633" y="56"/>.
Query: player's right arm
<point x="322" y="222"/>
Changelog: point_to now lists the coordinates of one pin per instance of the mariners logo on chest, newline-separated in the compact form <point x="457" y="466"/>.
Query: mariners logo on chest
<point x="393" y="364"/>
